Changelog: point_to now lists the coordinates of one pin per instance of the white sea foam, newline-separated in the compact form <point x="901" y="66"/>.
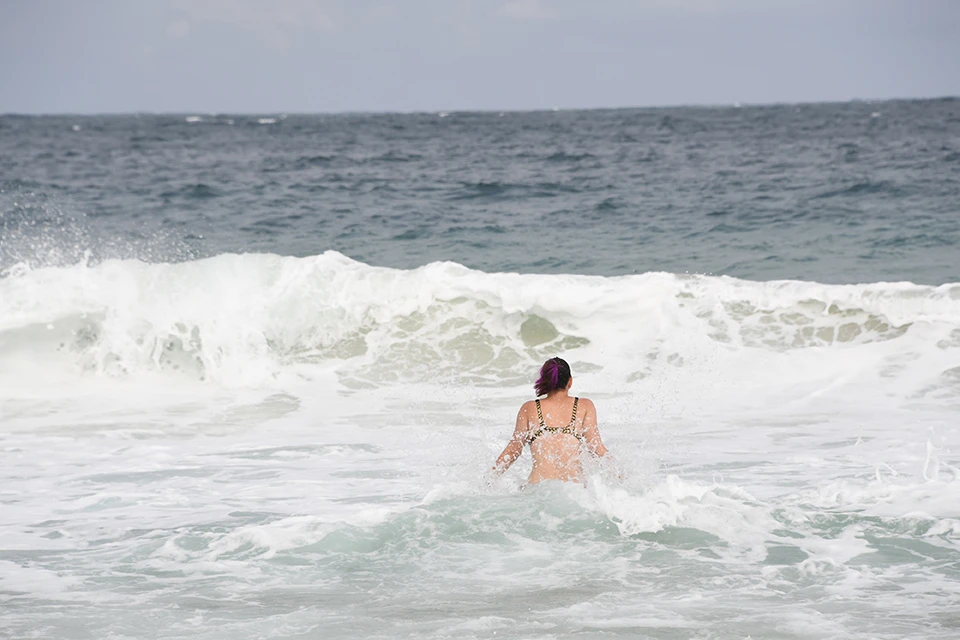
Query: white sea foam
<point x="248" y="317"/>
<point x="310" y="438"/>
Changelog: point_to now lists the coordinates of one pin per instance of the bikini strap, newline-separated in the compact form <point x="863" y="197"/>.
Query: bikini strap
<point x="540" y="414"/>
<point x="573" y="419"/>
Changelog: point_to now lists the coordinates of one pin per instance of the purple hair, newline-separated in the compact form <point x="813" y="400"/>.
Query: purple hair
<point x="554" y="374"/>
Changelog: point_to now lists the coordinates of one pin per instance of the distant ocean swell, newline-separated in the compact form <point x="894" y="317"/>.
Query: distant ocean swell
<point x="245" y="319"/>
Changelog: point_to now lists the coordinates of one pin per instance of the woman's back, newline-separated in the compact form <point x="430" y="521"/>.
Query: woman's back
<point x="557" y="437"/>
<point x="558" y="428"/>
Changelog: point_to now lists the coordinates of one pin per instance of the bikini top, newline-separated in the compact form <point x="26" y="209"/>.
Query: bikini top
<point x="545" y="429"/>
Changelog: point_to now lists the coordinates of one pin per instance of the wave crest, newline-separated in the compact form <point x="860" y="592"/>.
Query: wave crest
<point x="240" y="318"/>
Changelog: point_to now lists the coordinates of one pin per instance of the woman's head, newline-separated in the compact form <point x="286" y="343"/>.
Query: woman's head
<point x="554" y="374"/>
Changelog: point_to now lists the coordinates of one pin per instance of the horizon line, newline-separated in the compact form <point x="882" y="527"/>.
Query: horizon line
<point x="450" y="111"/>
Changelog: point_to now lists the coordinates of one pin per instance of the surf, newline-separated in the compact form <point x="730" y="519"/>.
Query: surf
<point x="248" y="318"/>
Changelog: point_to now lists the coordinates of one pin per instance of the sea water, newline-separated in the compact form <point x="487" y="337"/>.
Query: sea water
<point x="254" y="372"/>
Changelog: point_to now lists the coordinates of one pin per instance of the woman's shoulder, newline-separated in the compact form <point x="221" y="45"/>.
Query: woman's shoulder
<point x="586" y="403"/>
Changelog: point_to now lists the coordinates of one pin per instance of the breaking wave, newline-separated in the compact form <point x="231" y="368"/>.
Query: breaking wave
<point x="243" y="318"/>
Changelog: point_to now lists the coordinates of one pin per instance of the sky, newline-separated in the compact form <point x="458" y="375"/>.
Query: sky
<point x="307" y="56"/>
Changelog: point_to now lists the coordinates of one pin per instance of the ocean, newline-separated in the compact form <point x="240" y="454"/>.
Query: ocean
<point x="255" y="369"/>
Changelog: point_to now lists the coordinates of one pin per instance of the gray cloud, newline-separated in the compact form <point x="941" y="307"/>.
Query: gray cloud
<point x="337" y="55"/>
<point x="525" y="10"/>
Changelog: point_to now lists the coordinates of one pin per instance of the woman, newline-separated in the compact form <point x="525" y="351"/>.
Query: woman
<point x="557" y="427"/>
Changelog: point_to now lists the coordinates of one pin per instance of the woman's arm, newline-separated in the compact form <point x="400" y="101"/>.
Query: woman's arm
<point x="515" y="447"/>
<point x="591" y="433"/>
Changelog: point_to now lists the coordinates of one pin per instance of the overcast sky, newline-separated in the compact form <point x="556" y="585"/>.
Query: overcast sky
<point x="267" y="56"/>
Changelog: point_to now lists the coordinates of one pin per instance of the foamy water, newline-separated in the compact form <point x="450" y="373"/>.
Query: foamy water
<point x="265" y="446"/>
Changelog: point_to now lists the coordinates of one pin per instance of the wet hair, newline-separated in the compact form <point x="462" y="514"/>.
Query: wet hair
<point x="554" y="374"/>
